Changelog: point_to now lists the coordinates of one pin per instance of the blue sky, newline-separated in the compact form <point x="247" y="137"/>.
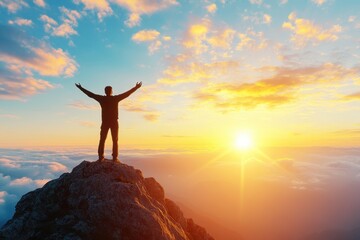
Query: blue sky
<point x="203" y="57"/>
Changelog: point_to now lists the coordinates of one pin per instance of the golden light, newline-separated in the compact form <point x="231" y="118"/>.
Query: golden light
<point x="244" y="141"/>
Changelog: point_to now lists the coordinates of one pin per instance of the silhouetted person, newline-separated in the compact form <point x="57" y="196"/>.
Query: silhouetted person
<point x="109" y="116"/>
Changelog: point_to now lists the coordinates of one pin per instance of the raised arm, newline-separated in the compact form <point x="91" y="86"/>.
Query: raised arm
<point x="128" y="93"/>
<point x="87" y="92"/>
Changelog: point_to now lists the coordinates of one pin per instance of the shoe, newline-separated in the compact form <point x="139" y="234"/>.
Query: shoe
<point x="116" y="160"/>
<point x="101" y="159"/>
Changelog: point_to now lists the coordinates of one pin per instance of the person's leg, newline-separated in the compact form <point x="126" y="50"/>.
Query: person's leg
<point x="103" y="135"/>
<point x="114" y="135"/>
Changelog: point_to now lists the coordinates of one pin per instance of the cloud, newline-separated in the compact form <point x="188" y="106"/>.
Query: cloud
<point x="22" y="56"/>
<point x="21" y="22"/>
<point x="17" y="86"/>
<point x="83" y="106"/>
<point x="257" y="2"/>
<point x="267" y="19"/>
<point x="49" y="22"/>
<point x="102" y="7"/>
<point x="196" y="36"/>
<point x="352" y="97"/>
<point x="147" y="113"/>
<point x="57" y="167"/>
<point x="140" y="7"/>
<point x="252" y="40"/>
<point x="11" y="116"/>
<point x="276" y="90"/>
<point x="19" y="50"/>
<point x="133" y="20"/>
<point x="211" y="8"/>
<point x="66" y="28"/>
<point x="319" y="2"/>
<point x="25" y="170"/>
<point x="145" y="36"/>
<point x="40" y="3"/>
<point x="13" y="5"/>
<point x="149" y="35"/>
<point x="222" y="39"/>
<point x="145" y="6"/>
<point x="185" y="72"/>
<point x="305" y="30"/>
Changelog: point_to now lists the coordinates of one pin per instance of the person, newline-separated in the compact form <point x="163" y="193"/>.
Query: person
<point x="109" y="116"/>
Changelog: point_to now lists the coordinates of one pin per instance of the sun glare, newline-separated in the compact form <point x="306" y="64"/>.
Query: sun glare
<point x="244" y="141"/>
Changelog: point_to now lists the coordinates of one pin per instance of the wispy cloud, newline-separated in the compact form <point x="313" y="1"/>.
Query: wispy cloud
<point x="305" y="30"/>
<point x="13" y="5"/>
<point x="102" y="7"/>
<point x="273" y="91"/>
<point x="23" y="56"/>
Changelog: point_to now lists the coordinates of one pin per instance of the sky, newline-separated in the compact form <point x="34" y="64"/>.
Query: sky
<point x="247" y="113"/>
<point x="285" y="71"/>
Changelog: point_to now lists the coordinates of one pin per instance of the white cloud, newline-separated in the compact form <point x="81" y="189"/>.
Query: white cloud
<point x="21" y="22"/>
<point x="13" y="5"/>
<point x="257" y="2"/>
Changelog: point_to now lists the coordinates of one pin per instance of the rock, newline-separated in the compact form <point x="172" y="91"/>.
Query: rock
<point x="100" y="201"/>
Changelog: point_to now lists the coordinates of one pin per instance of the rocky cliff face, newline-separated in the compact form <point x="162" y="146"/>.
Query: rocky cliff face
<point x="100" y="201"/>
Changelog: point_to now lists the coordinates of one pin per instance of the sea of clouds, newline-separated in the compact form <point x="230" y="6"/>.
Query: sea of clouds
<point x="326" y="179"/>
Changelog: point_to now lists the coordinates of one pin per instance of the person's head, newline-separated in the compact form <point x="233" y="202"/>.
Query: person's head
<point x="108" y="90"/>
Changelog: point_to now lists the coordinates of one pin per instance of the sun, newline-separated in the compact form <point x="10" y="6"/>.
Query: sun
<point x="243" y="141"/>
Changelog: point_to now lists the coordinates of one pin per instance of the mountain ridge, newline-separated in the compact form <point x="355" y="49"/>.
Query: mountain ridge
<point x="100" y="200"/>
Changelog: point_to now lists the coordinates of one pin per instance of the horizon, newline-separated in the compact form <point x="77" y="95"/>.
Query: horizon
<point x="252" y="104"/>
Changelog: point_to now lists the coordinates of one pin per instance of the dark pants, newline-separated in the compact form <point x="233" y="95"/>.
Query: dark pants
<point x="114" y="126"/>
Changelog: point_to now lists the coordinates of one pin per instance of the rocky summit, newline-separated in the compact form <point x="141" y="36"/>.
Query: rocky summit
<point x="100" y="200"/>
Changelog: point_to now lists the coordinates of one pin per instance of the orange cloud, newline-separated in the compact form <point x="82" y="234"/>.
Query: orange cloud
<point x="267" y="19"/>
<point x="148" y="114"/>
<point x="101" y="6"/>
<point x="139" y="7"/>
<point x="195" y="72"/>
<point x="305" y="30"/>
<point x="196" y="36"/>
<point x="252" y="40"/>
<point x="145" y="6"/>
<point x="222" y="39"/>
<point x="211" y="8"/>
<point x="352" y="97"/>
<point x="145" y="36"/>
<point x="279" y="89"/>
<point x="40" y="3"/>
<point x="148" y="36"/>
<point x="15" y="88"/>
<point x="133" y="20"/>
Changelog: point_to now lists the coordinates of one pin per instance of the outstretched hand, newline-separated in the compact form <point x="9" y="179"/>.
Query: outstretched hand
<point x="78" y="85"/>
<point x="138" y="85"/>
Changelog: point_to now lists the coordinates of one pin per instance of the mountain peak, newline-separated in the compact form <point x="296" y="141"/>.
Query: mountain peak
<point x="100" y="201"/>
